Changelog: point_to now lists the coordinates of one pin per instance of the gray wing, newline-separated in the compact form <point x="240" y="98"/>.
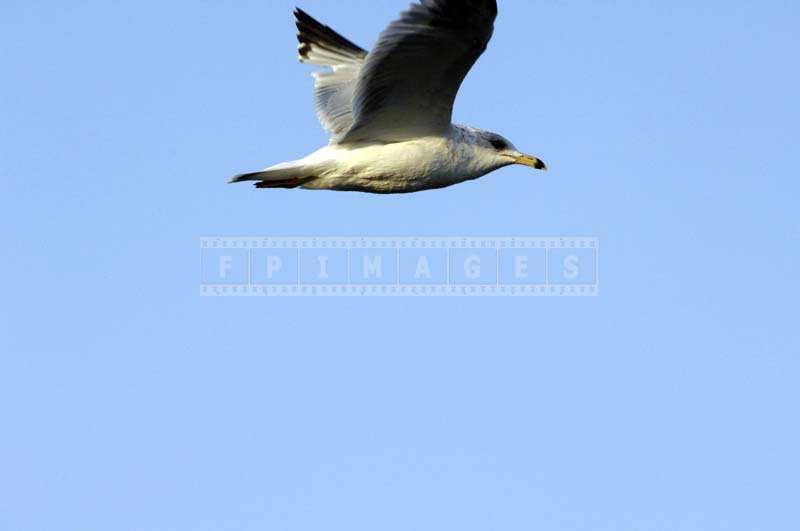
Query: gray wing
<point x="409" y="82"/>
<point x="321" y="46"/>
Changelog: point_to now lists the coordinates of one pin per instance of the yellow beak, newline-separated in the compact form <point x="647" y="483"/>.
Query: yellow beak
<point x="533" y="162"/>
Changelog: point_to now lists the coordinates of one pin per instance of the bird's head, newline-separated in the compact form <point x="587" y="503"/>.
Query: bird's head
<point x="505" y="153"/>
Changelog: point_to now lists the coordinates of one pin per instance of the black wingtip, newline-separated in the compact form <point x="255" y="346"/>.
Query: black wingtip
<point x="302" y="17"/>
<point x="312" y="32"/>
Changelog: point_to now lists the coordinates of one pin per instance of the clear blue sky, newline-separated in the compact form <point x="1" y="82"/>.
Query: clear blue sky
<point x="670" y="402"/>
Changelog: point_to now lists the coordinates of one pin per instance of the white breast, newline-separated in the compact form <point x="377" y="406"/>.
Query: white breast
<point x="429" y="162"/>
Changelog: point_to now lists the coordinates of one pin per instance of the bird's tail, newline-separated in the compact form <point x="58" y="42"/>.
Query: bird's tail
<point x="287" y="175"/>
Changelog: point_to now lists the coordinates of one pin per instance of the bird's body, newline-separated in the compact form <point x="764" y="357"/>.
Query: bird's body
<point x="389" y="110"/>
<point x="399" y="167"/>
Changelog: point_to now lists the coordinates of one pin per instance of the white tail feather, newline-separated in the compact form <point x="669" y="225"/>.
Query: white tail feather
<point x="286" y="171"/>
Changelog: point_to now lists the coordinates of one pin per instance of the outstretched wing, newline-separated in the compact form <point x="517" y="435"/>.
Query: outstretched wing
<point x="409" y="82"/>
<point x="321" y="46"/>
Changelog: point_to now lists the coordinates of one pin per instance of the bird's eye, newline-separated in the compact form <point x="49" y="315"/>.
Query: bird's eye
<point x="498" y="144"/>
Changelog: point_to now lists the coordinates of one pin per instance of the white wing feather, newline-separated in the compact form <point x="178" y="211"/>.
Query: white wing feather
<point x="321" y="46"/>
<point x="406" y="86"/>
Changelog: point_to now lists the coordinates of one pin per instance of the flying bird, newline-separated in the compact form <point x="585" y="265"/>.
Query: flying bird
<point x="389" y="110"/>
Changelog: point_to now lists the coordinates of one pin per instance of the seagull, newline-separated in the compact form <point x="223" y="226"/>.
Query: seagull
<point x="389" y="111"/>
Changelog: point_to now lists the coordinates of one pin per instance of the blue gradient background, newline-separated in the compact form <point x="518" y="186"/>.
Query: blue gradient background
<point x="670" y="402"/>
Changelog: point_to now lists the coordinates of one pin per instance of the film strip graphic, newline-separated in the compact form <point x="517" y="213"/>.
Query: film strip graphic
<point x="405" y="267"/>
